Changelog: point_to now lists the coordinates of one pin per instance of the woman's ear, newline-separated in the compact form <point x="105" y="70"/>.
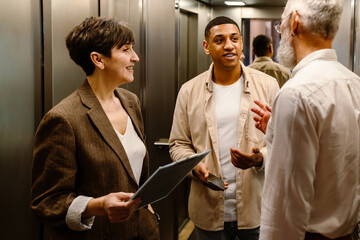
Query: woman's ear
<point x="97" y="59"/>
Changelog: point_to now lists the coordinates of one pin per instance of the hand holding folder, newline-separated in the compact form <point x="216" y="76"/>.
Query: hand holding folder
<point x="164" y="180"/>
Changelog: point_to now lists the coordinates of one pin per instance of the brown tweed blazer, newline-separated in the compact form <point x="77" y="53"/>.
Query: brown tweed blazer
<point x="77" y="152"/>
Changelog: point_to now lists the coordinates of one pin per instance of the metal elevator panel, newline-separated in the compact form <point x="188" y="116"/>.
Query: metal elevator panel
<point x="357" y="37"/>
<point x="188" y="67"/>
<point x="160" y="95"/>
<point x="343" y="39"/>
<point x="20" y="66"/>
<point x="61" y="75"/>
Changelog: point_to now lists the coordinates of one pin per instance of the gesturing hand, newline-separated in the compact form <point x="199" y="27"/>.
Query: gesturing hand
<point x="245" y="161"/>
<point x="264" y="114"/>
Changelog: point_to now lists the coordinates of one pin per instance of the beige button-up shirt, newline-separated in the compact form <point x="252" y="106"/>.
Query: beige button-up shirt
<point x="268" y="66"/>
<point x="194" y="130"/>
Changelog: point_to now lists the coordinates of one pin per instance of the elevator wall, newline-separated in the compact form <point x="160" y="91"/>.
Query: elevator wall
<point x="20" y="72"/>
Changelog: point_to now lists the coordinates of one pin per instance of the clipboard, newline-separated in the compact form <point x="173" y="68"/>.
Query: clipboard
<point x="164" y="180"/>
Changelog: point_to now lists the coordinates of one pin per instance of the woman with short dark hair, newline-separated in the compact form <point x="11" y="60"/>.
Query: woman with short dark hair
<point x="90" y="154"/>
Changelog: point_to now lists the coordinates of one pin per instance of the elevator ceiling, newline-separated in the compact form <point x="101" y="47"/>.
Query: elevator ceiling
<point x="253" y="3"/>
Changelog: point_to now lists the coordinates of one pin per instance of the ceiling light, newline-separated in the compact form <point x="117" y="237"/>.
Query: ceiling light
<point x="234" y="3"/>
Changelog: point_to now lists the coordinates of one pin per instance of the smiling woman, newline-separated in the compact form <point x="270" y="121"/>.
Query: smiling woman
<point x="90" y="154"/>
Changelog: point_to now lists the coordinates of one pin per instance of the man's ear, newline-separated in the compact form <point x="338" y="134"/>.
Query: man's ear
<point x="206" y="47"/>
<point x="271" y="48"/>
<point x="295" y="23"/>
<point x="97" y="59"/>
<point x="254" y="51"/>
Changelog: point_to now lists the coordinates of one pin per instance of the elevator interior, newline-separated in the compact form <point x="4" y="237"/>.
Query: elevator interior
<point x="36" y="73"/>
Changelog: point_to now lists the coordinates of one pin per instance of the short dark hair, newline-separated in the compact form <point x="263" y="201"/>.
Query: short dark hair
<point x="261" y="45"/>
<point x="99" y="35"/>
<point x="218" y="21"/>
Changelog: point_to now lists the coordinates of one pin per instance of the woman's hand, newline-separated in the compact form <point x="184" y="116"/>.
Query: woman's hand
<point x="116" y="206"/>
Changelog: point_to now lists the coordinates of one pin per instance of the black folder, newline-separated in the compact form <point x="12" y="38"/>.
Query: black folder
<point x="164" y="180"/>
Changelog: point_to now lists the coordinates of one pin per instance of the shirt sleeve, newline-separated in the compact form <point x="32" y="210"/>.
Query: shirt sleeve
<point x="290" y="170"/>
<point x="264" y="154"/>
<point x="73" y="216"/>
<point x="180" y="136"/>
<point x="273" y="90"/>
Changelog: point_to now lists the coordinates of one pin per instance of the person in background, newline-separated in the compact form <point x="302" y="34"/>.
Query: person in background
<point x="312" y="178"/>
<point x="89" y="154"/>
<point x="213" y="112"/>
<point x="263" y="50"/>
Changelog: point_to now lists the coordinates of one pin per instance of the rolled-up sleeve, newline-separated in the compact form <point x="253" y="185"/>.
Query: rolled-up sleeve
<point x="73" y="216"/>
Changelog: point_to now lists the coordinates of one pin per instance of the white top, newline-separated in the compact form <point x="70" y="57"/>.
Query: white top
<point x="134" y="148"/>
<point x="135" y="151"/>
<point x="227" y="105"/>
<point x="312" y="176"/>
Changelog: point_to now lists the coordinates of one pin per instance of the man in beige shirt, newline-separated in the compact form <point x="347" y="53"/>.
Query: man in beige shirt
<point x="263" y="50"/>
<point x="213" y="112"/>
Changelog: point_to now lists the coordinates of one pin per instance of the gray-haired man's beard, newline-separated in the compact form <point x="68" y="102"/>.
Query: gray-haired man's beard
<point x="285" y="53"/>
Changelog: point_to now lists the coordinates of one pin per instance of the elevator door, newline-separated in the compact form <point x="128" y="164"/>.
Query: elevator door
<point x="253" y="27"/>
<point x="188" y="66"/>
<point x="188" y="46"/>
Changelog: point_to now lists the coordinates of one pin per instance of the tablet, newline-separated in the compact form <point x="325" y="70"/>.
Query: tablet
<point x="164" y="180"/>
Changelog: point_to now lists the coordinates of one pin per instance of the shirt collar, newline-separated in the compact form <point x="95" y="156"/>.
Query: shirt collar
<point x="323" y="54"/>
<point x="263" y="59"/>
<point x="244" y="75"/>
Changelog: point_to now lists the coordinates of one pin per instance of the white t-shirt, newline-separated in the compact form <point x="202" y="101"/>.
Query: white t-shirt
<point x="227" y="105"/>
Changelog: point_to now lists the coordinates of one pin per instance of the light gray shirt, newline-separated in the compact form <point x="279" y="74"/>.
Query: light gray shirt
<point x="312" y="178"/>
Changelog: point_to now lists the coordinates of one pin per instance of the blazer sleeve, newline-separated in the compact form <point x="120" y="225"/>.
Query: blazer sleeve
<point x="53" y="170"/>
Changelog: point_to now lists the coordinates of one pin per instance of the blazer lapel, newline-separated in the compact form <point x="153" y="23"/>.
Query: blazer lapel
<point x="129" y="106"/>
<point x="103" y="125"/>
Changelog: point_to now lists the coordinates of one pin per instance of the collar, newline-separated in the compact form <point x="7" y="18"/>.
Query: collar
<point x="323" y="54"/>
<point x="89" y="99"/>
<point x="244" y="73"/>
<point x="262" y="59"/>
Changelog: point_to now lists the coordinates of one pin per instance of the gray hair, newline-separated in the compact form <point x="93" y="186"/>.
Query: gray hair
<point x="321" y="17"/>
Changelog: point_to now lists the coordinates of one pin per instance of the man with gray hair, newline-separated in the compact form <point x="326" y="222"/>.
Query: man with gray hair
<point x="312" y="179"/>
